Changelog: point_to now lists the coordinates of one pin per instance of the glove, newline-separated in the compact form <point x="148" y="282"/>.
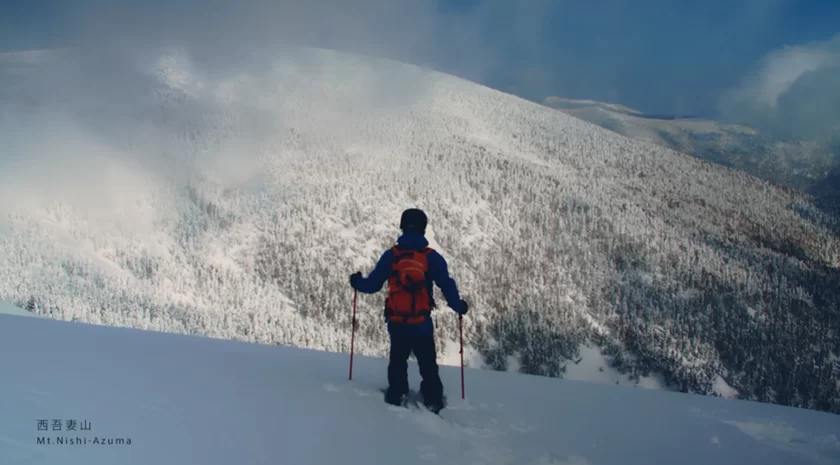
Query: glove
<point x="464" y="308"/>
<point x="354" y="278"/>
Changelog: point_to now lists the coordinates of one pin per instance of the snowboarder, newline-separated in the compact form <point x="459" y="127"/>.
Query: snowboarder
<point x="411" y="267"/>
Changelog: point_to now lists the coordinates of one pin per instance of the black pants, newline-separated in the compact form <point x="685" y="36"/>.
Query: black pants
<point x="424" y="349"/>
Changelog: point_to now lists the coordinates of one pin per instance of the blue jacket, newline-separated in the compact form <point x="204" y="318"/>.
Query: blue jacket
<point x="438" y="272"/>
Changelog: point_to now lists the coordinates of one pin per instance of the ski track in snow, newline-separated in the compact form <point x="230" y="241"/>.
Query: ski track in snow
<point x="487" y="438"/>
<point x="481" y="438"/>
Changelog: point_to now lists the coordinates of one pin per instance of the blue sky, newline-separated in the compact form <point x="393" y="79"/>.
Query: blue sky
<point x="656" y="55"/>
<point x="659" y="56"/>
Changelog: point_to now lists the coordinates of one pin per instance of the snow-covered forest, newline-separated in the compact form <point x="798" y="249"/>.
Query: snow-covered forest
<point x="163" y="193"/>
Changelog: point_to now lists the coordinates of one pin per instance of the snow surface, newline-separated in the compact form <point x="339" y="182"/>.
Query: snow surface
<point x="451" y="356"/>
<point x="594" y="367"/>
<point x="724" y="389"/>
<point x="8" y="309"/>
<point x="182" y="399"/>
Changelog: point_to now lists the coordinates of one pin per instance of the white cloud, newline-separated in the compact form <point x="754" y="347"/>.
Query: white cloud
<point x="786" y="88"/>
<point x="784" y="68"/>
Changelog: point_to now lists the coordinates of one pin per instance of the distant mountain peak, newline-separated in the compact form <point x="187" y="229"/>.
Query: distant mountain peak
<point x="798" y="164"/>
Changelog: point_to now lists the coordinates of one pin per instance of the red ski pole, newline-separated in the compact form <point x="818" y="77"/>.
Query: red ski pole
<point x="353" y="331"/>
<point x="461" y="330"/>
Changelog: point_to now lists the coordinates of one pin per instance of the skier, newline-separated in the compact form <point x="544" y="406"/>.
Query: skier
<point x="411" y="267"/>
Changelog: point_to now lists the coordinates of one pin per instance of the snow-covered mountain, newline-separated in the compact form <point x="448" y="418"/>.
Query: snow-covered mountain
<point x="799" y="164"/>
<point x="231" y="197"/>
<point x="82" y="394"/>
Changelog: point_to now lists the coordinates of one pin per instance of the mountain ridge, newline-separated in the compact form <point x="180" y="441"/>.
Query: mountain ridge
<point x="804" y="165"/>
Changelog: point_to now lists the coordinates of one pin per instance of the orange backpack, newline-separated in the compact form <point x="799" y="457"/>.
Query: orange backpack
<point x="409" y="300"/>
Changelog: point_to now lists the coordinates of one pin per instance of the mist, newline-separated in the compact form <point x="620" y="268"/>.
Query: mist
<point x="86" y="91"/>
<point x="221" y="33"/>
<point x="85" y="119"/>
<point x="659" y="57"/>
<point x="793" y="93"/>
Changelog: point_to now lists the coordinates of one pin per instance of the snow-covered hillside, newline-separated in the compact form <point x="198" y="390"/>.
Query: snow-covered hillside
<point x="141" y="397"/>
<point x="232" y="196"/>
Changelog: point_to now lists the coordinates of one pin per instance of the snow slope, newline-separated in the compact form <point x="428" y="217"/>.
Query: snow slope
<point x="7" y="309"/>
<point x="175" y="399"/>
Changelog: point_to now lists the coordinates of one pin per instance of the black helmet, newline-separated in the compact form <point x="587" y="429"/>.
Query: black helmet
<point x="413" y="220"/>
